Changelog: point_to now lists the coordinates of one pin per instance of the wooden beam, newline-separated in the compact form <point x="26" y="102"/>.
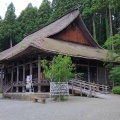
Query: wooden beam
<point x="85" y="65"/>
<point x="23" y="63"/>
<point x="39" y="70"/>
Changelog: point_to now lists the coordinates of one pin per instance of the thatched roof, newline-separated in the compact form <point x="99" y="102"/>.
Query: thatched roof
<point x="68" y="48"/>
<point x="40" y="40"/>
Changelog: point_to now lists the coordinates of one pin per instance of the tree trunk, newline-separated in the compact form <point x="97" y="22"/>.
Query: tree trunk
<point x="94" y="31"/>
<point x="100" y="26"/>
<point x="10" y="42"/>
<point x="107" y="26"/>
<point x="111" y="30"/>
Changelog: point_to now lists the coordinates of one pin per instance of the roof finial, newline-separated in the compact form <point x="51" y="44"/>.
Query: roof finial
<point x="79" y="7"/>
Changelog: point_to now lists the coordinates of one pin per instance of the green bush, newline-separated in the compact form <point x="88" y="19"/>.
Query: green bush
<point x="59" y="69"/>
<point x="114" y="75"/>
<point x="116" y="90"/>
<point x="59" y="98"/>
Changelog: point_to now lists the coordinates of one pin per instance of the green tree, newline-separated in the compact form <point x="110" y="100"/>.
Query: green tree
<point x="43" y="13"/>
<point x="100" y="18"/>
<point x="61" y="7"/>
<point x="113" y="59"/>
<point x="59" y="69"/>
<point x="115" y="75"/>
<point x="90" y="9"/>
<point x="9" y="24"/>
<point x="26" y="22"/>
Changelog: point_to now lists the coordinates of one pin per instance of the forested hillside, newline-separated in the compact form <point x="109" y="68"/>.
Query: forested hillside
<point x="102" y="18"/>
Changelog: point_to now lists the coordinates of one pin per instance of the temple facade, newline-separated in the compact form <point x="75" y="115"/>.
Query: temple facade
<point x="67" y="35"/>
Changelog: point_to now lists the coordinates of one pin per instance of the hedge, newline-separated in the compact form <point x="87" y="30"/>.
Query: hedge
<point x="116" y="90"/>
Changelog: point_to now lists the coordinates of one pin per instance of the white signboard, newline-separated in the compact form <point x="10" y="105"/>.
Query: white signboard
<point x="60" y="88"/>
<point x="28" y="81"/>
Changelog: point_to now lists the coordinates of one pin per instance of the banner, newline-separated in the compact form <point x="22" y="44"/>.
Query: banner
<point x="28" y="81"/>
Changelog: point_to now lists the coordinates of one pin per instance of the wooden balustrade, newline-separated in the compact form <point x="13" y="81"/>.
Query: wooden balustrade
<point x="88" y="85"/>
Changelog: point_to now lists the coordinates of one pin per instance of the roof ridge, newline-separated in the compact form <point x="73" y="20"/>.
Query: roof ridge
<point x="53" y="20"/>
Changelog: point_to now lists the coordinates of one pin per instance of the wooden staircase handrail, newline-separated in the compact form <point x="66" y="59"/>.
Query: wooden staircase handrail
<point x="89" y="85"/>
<point x="7" y="87"/>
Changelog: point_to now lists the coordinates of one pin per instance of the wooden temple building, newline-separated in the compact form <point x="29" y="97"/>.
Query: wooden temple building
<point x="67" y="35"/>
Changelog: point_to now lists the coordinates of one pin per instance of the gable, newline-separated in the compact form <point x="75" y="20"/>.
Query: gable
<point x="72" y="34"/>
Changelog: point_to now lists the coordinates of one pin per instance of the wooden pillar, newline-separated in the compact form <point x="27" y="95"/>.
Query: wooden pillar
<point x="76" y="77"/>
<point x="88" y="72"/>
<point x="72" y="88"/>
<point x="17" y="76"/>
<point x="1" y="79"/>
<point x="30" y="68"/>
<point x="81" y="88"/>
<point x="12" y="77"/>
<point x="105" y="76"/>
<point x="5" y="75"/>
<point x="23" y="89"/>
<point x="39" y="69"/>
<point x="97" y="75"/>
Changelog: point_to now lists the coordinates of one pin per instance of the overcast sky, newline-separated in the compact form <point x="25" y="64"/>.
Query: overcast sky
<point x="19" y="5"/>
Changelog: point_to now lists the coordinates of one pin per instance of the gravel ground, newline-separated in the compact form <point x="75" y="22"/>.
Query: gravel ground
<point x="76" y="108"/>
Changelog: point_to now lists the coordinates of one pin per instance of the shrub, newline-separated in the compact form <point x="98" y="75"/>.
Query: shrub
<point x="116" y="90"/>
<point x="59" y="69"/>
<point x="59" y="98"/>
<point x="114" y="75"/>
